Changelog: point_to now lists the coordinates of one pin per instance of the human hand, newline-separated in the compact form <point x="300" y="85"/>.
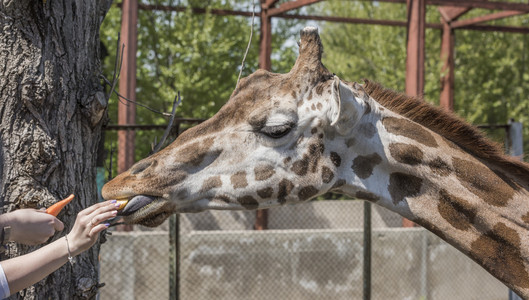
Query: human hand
<point x="30" y="226"/>
<point x="88" y="225"/>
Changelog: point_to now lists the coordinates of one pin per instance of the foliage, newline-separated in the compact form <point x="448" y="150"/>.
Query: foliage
<point x="491" y="74"/>
<point x="197" y="54"/>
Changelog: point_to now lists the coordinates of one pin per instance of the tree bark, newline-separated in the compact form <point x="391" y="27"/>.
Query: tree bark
<point x="52" y="106"/>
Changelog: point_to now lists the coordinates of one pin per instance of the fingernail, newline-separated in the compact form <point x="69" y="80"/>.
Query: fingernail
<point x="114" y="212"/>
<point x="113" y="201"/>
<point x="117" y="205"/>
<point x="106" y="224"/>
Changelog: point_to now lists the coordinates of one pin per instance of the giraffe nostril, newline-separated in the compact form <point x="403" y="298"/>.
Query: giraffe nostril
<point x="140" y="167"/>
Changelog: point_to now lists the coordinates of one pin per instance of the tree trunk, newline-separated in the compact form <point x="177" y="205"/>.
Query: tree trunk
<point x="51" y="108"/>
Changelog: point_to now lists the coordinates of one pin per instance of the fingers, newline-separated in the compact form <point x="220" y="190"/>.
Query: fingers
<point x="103" y="216"/>
<point x="97" y="229"/>
<point x="58" y="225"/>
<point x="89" y="210"/>
<point x="107" y="207"/>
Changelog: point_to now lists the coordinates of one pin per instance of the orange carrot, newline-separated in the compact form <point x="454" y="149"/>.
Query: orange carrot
<point x="57" y="207"/>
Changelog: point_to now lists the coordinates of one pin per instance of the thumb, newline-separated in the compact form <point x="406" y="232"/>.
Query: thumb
<point x="58" y="225"/>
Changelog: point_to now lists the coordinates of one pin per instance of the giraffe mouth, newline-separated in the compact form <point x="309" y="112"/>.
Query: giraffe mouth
<point x="146" y="210"/>
<point x="134" y="204"/>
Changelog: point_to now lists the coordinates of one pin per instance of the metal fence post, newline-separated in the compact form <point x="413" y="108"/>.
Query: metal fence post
<point x="174" y="257"/>
<point x="515" y="139"/>
<point x="367" y="251"/>
<point x="515" y="148"/>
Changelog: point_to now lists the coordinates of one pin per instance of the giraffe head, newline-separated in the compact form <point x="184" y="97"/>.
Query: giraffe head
<point x="266" y="146"/>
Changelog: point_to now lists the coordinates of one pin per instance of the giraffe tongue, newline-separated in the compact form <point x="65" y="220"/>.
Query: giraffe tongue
<point x="134" y="204"/>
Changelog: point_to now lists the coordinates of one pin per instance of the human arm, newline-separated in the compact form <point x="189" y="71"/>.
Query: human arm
<point x="25" y="270"/>
<point x="30" y="226"/>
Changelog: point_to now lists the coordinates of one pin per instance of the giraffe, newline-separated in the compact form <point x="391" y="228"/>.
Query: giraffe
<point x="287" y="138"/>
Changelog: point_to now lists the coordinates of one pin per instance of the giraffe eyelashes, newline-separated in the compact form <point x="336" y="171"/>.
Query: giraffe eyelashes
<point x="277" y="131"/>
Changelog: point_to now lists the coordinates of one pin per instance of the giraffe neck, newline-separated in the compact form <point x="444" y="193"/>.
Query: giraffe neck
<point x="470" y="203"/>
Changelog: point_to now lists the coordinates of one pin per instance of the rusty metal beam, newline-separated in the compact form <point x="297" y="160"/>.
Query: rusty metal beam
<point x="415" y="47"/>
<point x="485" y="18"/>
<point x="447" y="69"/>
<point x="450" y="13"/>
<point x="195" y="10"/>
<point x="284" y="7"/>
<point x="222" y="12"/>
<point x="496" y="5"/>
<point x="270" y="3"/>
<point x="480" y="4"/>
<point x="127" y="84"/>
<point x="509" y="29"/>
<point x="265" y="44"/>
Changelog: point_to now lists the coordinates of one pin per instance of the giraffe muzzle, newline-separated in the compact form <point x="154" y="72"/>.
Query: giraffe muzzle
<point x="135" y="204"/>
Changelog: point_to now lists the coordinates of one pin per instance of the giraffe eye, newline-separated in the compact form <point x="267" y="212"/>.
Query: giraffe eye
<point x="278" y="131"/>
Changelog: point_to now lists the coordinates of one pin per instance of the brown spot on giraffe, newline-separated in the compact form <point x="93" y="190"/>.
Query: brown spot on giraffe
<point x="483" y="182"/>
<point x="211" y="183"/>
<point x="313" y="107"/>
<point x="366" y="196"/>
<point x="403" y="185"/>
<point x="336" y="159"/>
<point x="265" y="193"/>
<point x="176" y="177"/>
<point x="525" y="218"/>
<point x="314" y="130"/>
<point x="499" y="251"/>
<point x="238" y="180"/>
<point x="248" y="202"/>
<point x="300" y="103"/>
<point x="338" y="183"/>
<point x="326" y="174"/>
<point x="319" y="89"/>
<point x="301" y="166"/>
<point x="451" y="144"/>
<point x="284" y="189"/>
<point x="431" y="227"/>
<point x="310" y="160"/>
<point x="350" y="142"/>
<point x="315" y="153"/>
<point x="307" y="192"/>
<point x="409" y="129"/>
<point x="367" y="129"/>
<point x="456" y="211"/>
<point x="363" y="165"/>
<point x="294" y="95"/>
<point x="406" y="154"/>
<point x="195" y="153"/>
<point x="367" y="108"/>
<point x="439" y="167"/>
<point x="319" y="106"/>
<point x="263" y="172"/>
<point x="309" y="97"/>
<point x="287" y="160"/>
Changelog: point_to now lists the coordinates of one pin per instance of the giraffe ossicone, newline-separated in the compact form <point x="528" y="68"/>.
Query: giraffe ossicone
<point x="287" y="138"/>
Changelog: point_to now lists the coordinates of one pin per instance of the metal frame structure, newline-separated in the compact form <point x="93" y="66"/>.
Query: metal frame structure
<point x="450" y="10"/>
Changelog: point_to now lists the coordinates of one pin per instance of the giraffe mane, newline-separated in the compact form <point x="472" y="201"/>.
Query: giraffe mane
<point x="448" y="125"/>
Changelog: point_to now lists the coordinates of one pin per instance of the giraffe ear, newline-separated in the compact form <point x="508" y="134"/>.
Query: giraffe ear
<point x="345" y="110"/>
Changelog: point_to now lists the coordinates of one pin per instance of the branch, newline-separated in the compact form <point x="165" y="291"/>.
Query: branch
<point x="117" y="69"/>
<point x="132" y="101"/>
<point x="169" y="126"/>
<point x="247" y="47"/>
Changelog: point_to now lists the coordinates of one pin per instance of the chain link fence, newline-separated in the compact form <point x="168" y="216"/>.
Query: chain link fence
<point x="310" y="251"/>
